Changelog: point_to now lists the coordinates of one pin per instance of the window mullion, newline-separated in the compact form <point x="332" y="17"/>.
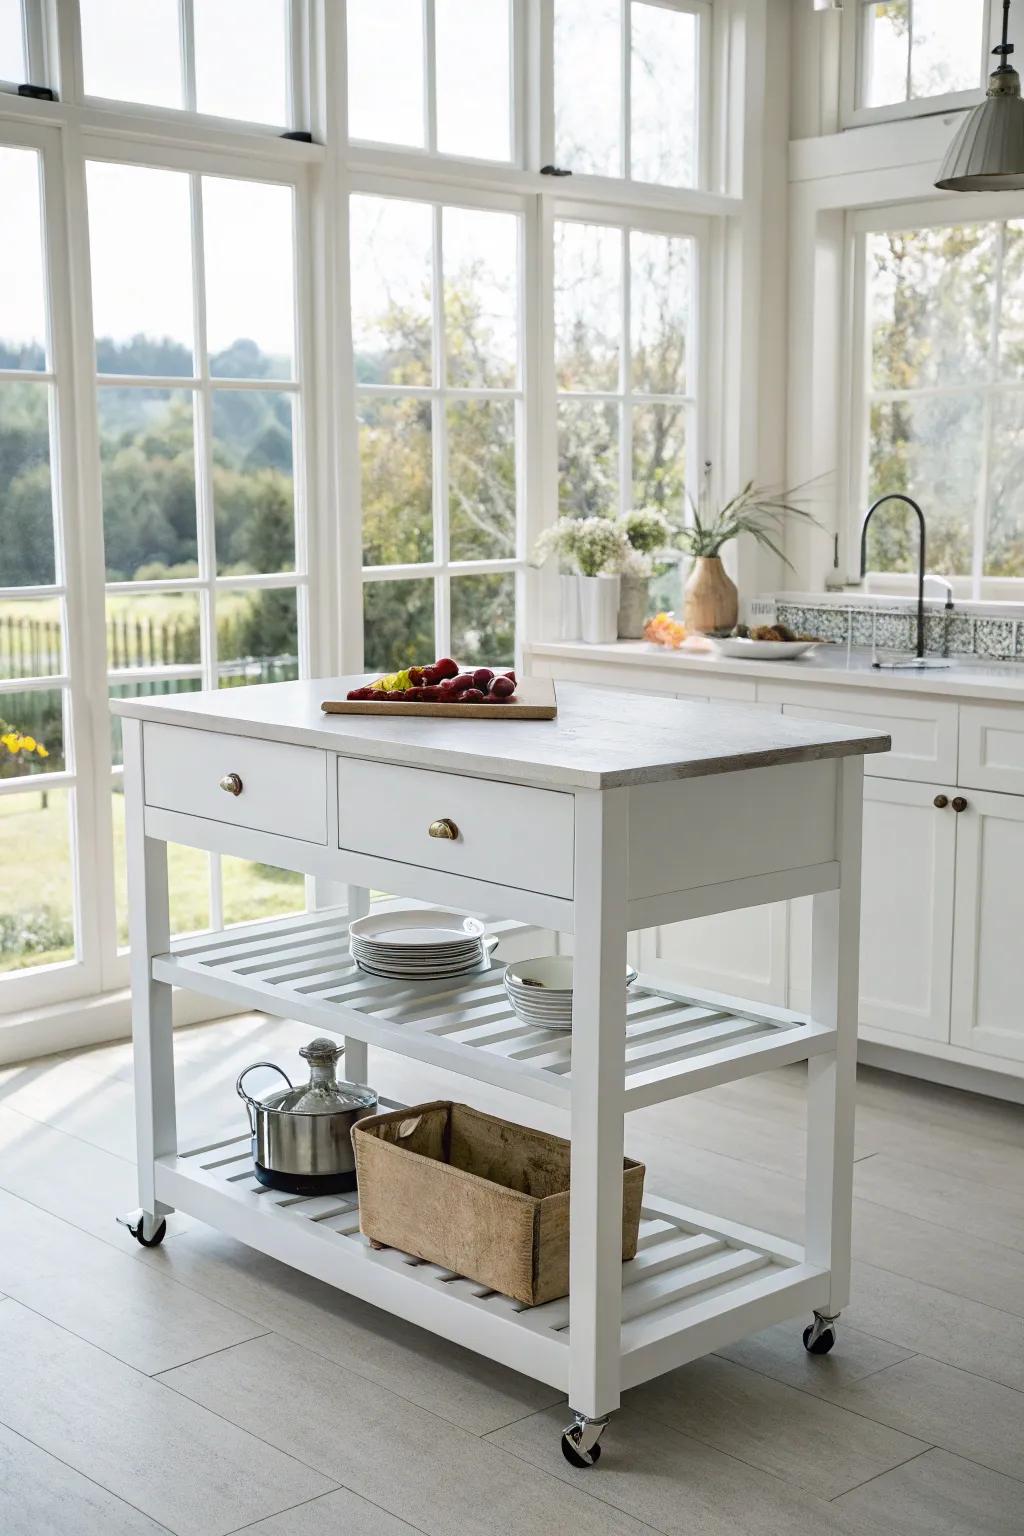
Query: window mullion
<point x="625" y="381"/>
<point x="439" y="439"/>
<point x="910" y="51"/>
<point x="430" y="75"/>
<point x="626" y="88"/>
<point x="187" y="44"/>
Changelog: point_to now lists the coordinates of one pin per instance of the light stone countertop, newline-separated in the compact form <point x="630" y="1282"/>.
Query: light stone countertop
<point x="598" y="741"/>
<point x="966" y="677"/>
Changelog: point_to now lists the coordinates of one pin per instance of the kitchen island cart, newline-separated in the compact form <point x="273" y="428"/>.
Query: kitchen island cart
<point x="620" y="814"/>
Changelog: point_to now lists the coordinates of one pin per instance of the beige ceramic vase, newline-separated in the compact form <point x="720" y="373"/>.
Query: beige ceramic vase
<point x="710" y="598"/>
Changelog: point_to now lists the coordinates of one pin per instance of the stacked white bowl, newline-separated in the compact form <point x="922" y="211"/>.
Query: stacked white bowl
<point x="540" y="991"/>
<point x="420" y="944"/>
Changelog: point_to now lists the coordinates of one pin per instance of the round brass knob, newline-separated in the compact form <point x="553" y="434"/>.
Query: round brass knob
<point x="940" y="802"/>
<point x="445" y="828"/>
<point x="959" y="804"/>
<point x="232" y="783"/>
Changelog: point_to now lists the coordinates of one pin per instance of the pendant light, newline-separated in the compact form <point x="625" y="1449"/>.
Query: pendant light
<point x="987" y="152"/>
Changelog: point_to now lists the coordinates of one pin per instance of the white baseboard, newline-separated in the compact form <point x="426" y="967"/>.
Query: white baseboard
<point x="933" y="1069"/>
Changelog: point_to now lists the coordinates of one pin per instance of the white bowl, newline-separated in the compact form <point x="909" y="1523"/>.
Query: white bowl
<point x="547" y="977"/>
<point x="760" y="650"/>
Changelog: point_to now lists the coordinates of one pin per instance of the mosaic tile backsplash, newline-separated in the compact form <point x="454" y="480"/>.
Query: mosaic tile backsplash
<point x="895" y="629"/>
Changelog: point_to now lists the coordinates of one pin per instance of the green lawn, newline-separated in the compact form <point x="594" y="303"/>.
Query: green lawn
<point x="35" y="883"/>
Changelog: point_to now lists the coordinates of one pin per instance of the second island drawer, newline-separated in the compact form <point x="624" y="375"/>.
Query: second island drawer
<point x="508" y="834"/>
<point x="269" y="786"/>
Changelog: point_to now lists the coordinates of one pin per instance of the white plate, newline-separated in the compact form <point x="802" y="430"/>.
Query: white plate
<point x="761" y="650"/>
<point x="394" y="952"/>
<point x="418" y="928"/>
<point x="437" y="973"/>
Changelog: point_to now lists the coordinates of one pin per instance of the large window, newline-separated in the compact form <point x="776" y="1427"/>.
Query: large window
<point x="943" y="396"/>
<point x="436" y="332"/>
<point x="624" y="334"/>
<point x="905" y="56"/>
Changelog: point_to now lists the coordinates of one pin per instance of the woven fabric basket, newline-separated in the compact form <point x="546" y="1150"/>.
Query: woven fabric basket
<point x="478" y="1195"/>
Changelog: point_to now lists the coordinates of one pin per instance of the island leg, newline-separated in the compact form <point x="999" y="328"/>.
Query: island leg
<point x="598" y="1055"/>
<point x="356" y="1051"/>
<point x="152" y="1043"/>
<point x="832" y="1077"/>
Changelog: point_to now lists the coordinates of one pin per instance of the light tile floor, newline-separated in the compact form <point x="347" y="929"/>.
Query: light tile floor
<point x="202" y="1389"/>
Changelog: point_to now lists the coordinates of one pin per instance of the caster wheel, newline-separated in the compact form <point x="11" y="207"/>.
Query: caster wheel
<point x="159" y="1233"/>
<point x="575" y="1456"/>
<point x="818" y="1343"/>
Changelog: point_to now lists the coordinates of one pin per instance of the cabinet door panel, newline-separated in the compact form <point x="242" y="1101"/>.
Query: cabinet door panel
<point x="923" y="730"/>
<point x="906" y="909"/>
<point x="739" y="953"/>
<point x="988" y="959"/>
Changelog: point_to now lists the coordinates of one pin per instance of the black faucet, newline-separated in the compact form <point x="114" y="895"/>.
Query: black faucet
<point x="899" y="496"/>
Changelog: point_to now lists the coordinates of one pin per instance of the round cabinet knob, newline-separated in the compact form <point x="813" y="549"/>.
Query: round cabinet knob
<point x="959" y="804"/>
<point x="940" y="802"/>
<point x="445" y="828"/>
<point x="232" y="783"/>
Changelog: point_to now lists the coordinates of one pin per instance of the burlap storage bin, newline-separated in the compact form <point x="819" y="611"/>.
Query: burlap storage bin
<point x="477" y="1195"/>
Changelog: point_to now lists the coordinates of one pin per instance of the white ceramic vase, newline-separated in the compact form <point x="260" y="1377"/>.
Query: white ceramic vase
<point x="634" y="602"/>
<point x="568" y="607"/>
<point x="599" y="608"/>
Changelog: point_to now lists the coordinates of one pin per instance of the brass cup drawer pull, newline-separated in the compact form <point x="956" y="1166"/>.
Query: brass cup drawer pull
<point x="445" y="828"/>
<point x="959" y="804"/>
<point x="940" y="802"/>
<point x="231" y="783"/>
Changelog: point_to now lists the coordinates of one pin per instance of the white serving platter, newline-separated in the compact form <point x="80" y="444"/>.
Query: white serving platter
<point x="761" y="650"/>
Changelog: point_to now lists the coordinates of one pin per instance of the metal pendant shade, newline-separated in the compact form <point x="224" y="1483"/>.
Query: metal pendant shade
<point x="987" y="152"/>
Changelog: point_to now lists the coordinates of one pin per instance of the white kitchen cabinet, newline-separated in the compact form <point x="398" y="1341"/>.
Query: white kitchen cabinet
<point x="907" y="908"/>
<point x="988" y="962"/>
<point x="923" y="731"/>
<point x="730" y="951"/>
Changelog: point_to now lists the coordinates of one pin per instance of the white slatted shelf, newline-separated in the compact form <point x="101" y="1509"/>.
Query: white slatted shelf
<point x="689" y="1267"/>
<point x="300" y="968"/>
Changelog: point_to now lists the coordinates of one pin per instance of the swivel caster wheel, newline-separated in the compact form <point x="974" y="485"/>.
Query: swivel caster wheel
<point x="145" y="1229"/>
<point x="580" y="1439"/>
<point x="820" y="1335"/>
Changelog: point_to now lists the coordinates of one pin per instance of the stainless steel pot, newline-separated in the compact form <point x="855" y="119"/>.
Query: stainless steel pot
<point x="301" y="1137"/>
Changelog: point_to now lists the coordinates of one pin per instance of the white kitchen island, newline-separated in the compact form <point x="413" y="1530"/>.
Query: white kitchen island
<point x="621" y="814"/>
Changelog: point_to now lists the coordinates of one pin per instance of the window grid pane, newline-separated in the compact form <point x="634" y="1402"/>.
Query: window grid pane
<point x="913" y="50"/>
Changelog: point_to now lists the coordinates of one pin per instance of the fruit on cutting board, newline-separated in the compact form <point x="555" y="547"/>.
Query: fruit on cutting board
<point x="440" y="682"/>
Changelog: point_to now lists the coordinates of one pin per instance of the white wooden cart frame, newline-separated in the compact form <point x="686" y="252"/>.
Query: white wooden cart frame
<point x="698" y="1282"/>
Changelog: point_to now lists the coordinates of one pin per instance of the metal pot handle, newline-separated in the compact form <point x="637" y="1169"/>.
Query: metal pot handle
<point x="251" y="1103"/>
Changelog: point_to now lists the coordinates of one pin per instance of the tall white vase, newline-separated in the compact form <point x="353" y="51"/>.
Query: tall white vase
<point x="599" y="608"/>
<point x="568" y="607"/>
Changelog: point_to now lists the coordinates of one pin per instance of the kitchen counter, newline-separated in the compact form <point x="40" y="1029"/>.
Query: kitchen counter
<point x="966" y="677"/>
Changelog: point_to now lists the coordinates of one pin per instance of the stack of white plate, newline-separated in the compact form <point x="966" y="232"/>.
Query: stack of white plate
<point x="540" y="991"/>
<point x="417" y="944"/>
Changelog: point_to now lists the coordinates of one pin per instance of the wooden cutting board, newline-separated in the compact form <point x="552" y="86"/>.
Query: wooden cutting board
<point x="534" y="699"/>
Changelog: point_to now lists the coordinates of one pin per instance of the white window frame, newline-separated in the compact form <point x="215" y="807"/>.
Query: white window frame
<point x="70" y="132"/>
<point x="985" y="208"/>
<point x="852" y="71"/>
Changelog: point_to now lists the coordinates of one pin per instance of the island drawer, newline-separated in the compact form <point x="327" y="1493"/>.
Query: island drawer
<point x="508" y="834"/>
<point x="923" y="731"/>
<point x="280" y="788"/>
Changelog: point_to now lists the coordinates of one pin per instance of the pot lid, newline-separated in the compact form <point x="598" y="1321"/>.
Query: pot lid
<point x="323" y="1094"/>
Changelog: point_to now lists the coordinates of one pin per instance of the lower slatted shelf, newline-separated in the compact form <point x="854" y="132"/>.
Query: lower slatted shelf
<point x="694" y="1277"/>
<point x="300" y="968"/>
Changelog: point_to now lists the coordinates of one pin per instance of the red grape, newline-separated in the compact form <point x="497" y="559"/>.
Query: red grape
<point x="503" y="687"/>
<point x="444" y="666"/>
<point x="396" y="696"/>
<point x="430" y="677"/>
<point x="482" y="677"/>
<point x="463" y="681"/>
<point x="356" y="693"/>
<point x="471" y="696"/>
<point x="509" y="674"/>
<point x="432" y="691"/>
<point x="414" y="695"/>
<point x="416" y="676"/>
